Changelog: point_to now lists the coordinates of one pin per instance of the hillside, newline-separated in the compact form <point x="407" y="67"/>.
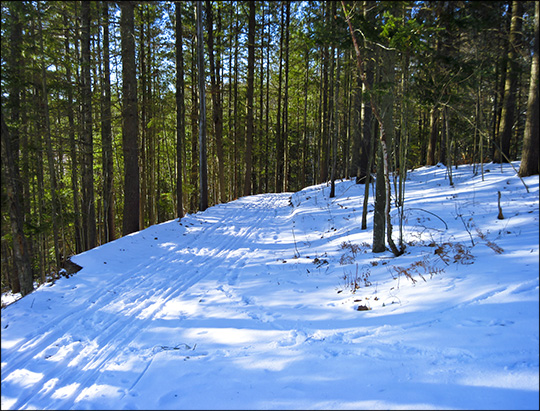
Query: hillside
<point x="276" y="301"/>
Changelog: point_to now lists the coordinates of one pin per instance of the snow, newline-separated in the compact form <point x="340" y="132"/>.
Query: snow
<point x="248" y="305"/>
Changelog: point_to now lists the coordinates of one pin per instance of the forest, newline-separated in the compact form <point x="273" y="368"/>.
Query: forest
<point x="117" y="116"/>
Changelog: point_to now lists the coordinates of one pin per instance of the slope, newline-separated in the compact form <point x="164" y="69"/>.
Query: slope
<point x="254" y="304"/>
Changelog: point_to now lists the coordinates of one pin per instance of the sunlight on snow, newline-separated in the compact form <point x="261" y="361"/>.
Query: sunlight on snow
<point x="23" y="377"/>
<point x="99" y="390"/>
<point x="233" y="336"/>
<point x="524" y="380"/>
<point x="66" y="391"/>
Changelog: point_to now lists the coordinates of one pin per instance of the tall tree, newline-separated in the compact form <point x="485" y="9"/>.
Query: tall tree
<point x="217" y="114"/>
<point x="203" y="177"/>
<point x="285" y="123"/>
<point x="511" y="85"/>
<point x="106" y="132"/>
<point x="385" y="119"/>
<point x="130" y="127"/>
<point x="529" y="157"/>
<point x="46" y="130"/>
<point x="20" y="245"/>
<point x="180" y="110"/>
<point x="72" y="142"/>
<point x="88" y="206"/>
<point x="249" y="97"/>
<point x="279" y="137"/>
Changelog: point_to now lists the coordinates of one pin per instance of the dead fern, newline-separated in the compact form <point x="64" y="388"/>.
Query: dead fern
<point x="420" y="268"/>
<point x="454" y="252"/>
<point x="489" y="243"/>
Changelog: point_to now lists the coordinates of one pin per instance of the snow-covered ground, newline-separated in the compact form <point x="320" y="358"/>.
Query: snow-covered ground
<point x="249" y="305"/>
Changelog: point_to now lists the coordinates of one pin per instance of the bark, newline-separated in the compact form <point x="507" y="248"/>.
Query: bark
<point x="180" y="111"/>
<point x="203" y="198"/>
<point x="285" y="124"/>
<point x="217" y="115"/>
<point x="249" y="98"/>
<point x="106" y="133"/>
<point x="55" y="209"/>
<point x="529" y="157"/>
<point x="382" y="139"/>
<point x="508" y="114"/>
<point x="279" y="137"/>
<point x="130" y="128"/>
<point x="88" y="206"/>
<point x="20" y="244"/>
<point x="434" y="133"/>
<point x="73" y="147"/>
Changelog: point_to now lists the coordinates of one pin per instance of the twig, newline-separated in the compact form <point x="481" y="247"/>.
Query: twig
<point x="429" y="212"/>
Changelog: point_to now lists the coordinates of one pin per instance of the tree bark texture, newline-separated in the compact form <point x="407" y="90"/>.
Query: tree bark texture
<point x="130" y="121"/>
<point x="530" y="157"/>
<point x="20" y="244"/>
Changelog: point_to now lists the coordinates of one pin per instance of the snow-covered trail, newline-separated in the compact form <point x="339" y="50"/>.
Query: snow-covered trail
<point x="105" y="312"/>
<point x="244" y="306"/>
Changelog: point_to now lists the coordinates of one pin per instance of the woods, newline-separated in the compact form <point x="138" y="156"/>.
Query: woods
<point x="105" y="108"/>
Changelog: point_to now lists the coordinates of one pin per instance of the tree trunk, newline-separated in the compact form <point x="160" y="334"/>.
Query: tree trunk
<point x="279" y="137"/>
<point x="55" y="209"/>
<point x="434" y="132"/>
<point x="203" y="198"/>
<point x="73" y="147"/>
<point x="217" y="115"/>
<point x="285" y="124"/>
<point x="20" y="245"/>
<point x="510" y="88"/>
<point x="88" y="208"/>
<point x="130" y="128"/>
<point x="106" y="133"/>
<point x="529" y="156"/>
<point x="180" y="111"/>
<point x="387" y="121"/>
<point x="335" y="126"/>
<point x="249" y="98"/>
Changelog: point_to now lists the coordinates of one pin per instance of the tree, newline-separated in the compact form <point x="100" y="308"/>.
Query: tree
<point x="46" y="130"/>
<point x="20" y="245"/>
<point x="279" y="136"/>
<point x="510" y="88"/>
<point x="203" y="178"/>
<point x="106" y="132"/>
<point x="180" y="110"/>
<point x="529" y="157"/>
<point x="215" y="87"/>
<point x="130" y="127"/>
<point x="383" y="122"/>
<point x="249" y="98"/>
<point x="88" y="206"/>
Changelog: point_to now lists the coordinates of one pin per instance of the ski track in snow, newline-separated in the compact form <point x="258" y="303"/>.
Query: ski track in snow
<point x="229" y="309"/>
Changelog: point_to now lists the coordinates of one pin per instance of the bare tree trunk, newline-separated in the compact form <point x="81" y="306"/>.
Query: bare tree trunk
<point x="180" y="111"/>
<point x="106" y="133"/>
<point x="130" y="127"/>
<point x="279" y="137"/>
<point x="511" y="85"/>
<point x="55" y="211"/>
<point x="529" y="158"/>
<point x="73" y="147"/>
<point x="88" y="208"/>
<point x="216" y="100"/>
<point x="285" y="124"/>
<point x="20" y="245"/>
<point x="382" y="139"/>
<point x="203" y="178"/>
<point x="434" y="132"/>
<point x="249" y="98"/>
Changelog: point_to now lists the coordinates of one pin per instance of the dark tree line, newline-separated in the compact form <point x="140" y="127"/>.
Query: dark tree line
<point x="105" y="108"/>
